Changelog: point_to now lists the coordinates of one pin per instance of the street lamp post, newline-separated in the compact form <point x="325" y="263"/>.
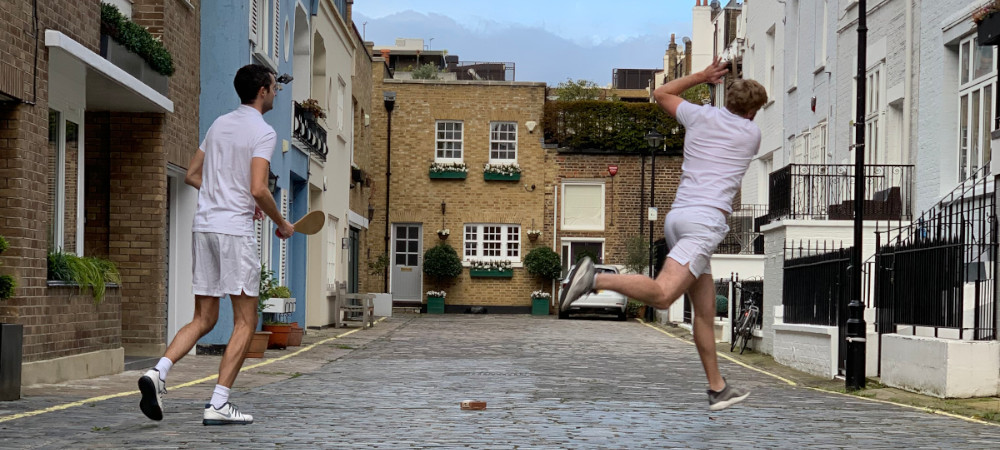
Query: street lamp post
<point x="856" y="342"/>
<point x="654" y="140"/>
<point x="389" y="100"/>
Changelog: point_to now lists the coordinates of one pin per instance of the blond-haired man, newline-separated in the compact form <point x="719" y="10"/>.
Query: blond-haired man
<point x="719" y="144"/>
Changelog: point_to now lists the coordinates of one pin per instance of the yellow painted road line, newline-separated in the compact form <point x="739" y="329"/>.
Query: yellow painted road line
<point x="722" y="355"/>
<point x="179" y="386"/>
<point x="792" y="383"/>
<point x="903" y="405"/>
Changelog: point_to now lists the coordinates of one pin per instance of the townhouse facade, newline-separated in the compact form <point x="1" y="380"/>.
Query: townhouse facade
<point x="90" y="174"/>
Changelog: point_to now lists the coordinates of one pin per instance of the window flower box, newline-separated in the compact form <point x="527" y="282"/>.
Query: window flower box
<point x="448" y="171"/>
<point x="989" y="29"/>
<point x="491" y="269"/>
<point x="502" y="172"/>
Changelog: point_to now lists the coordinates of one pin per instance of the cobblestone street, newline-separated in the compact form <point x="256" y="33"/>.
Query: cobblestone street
<point x="548" y="383"/>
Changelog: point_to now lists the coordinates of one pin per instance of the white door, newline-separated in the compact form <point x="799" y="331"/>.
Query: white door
<point x="407" y="256"/>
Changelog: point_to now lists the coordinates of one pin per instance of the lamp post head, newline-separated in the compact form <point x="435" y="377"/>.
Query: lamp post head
<point x="654" y="139"/>
<point x="389" y="99"/>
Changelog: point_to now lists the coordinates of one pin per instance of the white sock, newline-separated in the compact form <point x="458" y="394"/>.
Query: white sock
<point x="163" y="366"/>
<point x="220" y="396"/>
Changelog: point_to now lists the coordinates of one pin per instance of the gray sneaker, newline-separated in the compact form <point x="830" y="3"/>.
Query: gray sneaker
<point x="581" y="281"/>
<point x="729" y="396"/>
<point x="152" y="389"/>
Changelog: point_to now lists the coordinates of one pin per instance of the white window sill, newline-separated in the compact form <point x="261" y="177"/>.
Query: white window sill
<point x="264" y="59"/>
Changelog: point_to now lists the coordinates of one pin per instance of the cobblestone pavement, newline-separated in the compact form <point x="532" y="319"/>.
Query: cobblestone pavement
<point x="548" y="383"/>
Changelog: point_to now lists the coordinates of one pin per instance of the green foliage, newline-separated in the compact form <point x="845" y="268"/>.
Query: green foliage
<point x="7" y="282"/>
<point x="570" y="90"/>
<point x="632" y="308"/>
<point x="378" y="265"/>
<point x="543" y="262"/>
<point x="721" y="305"/>
<point x="267" y="285"/>
<point x="587" y="253"/>
<point x="637" y="254"/>
<point x="608" y="126"/>
<point x="281" y="292"/>
<point x="698" y="95"/>
<point x="91" y="272"/>
<point x="442" y="263"/>
<point x="425" y="72"/>
<point x="136" y="39"/>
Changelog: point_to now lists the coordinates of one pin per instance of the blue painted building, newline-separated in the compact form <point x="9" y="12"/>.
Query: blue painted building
<point x="236" y="33"/>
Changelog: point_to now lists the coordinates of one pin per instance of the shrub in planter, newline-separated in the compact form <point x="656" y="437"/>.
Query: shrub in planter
<point x="91" y="272"/>
<point x="136" y="39"/>
<point x="544" y="263"/>
<point x="442" y="263"/>
<point x="7" y="282"/>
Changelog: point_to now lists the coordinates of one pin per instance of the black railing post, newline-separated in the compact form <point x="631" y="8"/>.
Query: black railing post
<point x="855" y="365"/>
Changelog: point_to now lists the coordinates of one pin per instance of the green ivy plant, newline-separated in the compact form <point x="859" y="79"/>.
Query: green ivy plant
<point x="7" y="282"/>
<point x="86" y="272"/>
<point x="137" y="39"/>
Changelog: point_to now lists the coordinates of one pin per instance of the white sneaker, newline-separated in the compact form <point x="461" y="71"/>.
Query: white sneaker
<point x="581" y="281"/>
<point x="226" y="415"/>
<point x="152" y="389"/>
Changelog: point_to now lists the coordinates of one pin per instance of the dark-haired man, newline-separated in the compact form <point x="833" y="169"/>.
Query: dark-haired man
<point x="230" y="171"/>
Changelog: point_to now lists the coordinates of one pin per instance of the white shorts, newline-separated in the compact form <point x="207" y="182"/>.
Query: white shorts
<point x="692" y="234"/>
<point x="225" y="264"/>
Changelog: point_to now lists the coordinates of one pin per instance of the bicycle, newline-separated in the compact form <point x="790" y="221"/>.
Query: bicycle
<point x="746" y="319"/>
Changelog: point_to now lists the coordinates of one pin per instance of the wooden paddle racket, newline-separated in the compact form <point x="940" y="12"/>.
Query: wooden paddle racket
<point x="309" y="224"/>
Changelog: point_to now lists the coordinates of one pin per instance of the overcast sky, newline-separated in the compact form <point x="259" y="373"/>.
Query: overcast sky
<point x="548" y="40"/>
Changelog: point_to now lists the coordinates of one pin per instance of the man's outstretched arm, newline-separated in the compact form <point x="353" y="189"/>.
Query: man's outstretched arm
<point x="668" y="96"/>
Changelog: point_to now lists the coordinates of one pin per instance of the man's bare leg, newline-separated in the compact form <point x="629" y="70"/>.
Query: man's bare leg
<point x="702" y="295"/>
<point x="206" y="313"/>
<point x="244" y="324"/>
<point x="673" y="281"/>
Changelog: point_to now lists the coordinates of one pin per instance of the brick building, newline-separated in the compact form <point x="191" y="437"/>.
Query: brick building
<point x="85" y="151"/>
<point x="436" y="121"/>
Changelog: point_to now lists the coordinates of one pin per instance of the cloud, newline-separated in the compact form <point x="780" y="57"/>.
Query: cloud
<point x="538" y="54"/>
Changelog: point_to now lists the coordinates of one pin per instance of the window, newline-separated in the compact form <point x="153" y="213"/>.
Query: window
<point x="574" y="249"/>
<point x="977" y="82"/>
<point x="448" y="141"/>
<point x="820" y="41"/>
<point x="793" y="71"/>
<point x="503" y="141"/>
<point x="64" y="195"/>
<point x="265" y="27"/>
<point x="874" y="114"/>
<point x="583" y="206"/>
<point x="799" y="150"/>
<point x="492" y="241"/>
<point x="817" y="144"/>
<point x="331" y="249"/>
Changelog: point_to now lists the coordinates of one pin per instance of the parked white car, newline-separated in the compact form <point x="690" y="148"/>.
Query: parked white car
<point x="603" y="301"/>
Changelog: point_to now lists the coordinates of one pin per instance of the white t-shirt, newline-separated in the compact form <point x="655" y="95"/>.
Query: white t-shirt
<point x="718" y="148"/>
<point x="225" y="204"/>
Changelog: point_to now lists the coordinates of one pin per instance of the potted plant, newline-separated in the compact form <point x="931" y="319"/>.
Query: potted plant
<point x="435" y="302"/>
<point x="502" y="172"/>
<point x="278" y="296"/>
<point x="443" y="233"/>
<point x="445" y="171"/>
<point x="442" y="264"/>
<point x="259" y="341"/>
<point x="490" y="269"/>
<point x="543" y="263"/>
<point x="987" y="20"/>
<point x="312" y="110"/>
<point x="7" y="282"/>
<point x="534" y="234"/>
<point x="95" y="273"/>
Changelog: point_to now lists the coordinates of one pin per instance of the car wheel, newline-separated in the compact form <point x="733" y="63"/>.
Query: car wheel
<point x="564" y="314"/>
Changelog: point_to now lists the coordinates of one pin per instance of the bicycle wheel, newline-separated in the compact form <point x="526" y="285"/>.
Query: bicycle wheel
<point x="750" y="323"/>
<point x="737" y="333"/>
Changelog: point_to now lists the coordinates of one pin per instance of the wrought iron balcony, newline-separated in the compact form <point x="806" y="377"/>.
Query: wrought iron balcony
<point x="826" y="192"/>
<point x="308" y="131"/>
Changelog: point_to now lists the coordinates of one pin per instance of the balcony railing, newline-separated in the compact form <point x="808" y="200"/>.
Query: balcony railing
<point x="826" y="192"/>
<point x="744" y="237"/>
<point x="308" y="131"/>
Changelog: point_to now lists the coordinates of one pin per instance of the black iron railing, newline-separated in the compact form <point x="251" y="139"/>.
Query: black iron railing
<point x="308" y="131"/>
<point x="744" y="237"/>
<point x="816" y="286"/>
<point x="483" y="70"/>
<point x="826" y="192"/>
<point x="751" y="289"/>
<point x="937" y="272"/>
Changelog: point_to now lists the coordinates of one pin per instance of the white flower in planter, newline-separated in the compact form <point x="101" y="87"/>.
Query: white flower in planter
<point x="444" y="231"/>
<point x="441" y="294"/>
<point x="502" y="169"/>
<point x="497" y="265"/>
<point x="541" y="294"/>
<point x="437" y="167"/>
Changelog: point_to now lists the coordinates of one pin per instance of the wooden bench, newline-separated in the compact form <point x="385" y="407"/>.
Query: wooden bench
<point x="344" y="304"/>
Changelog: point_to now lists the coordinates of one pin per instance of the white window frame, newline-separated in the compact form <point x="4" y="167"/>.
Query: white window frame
<point x="438" y="141"/>
<point x="769" y="57"/>
<point x="473" y="242"/>
<point x="265" y="26"/>
<point x="68" y="114"/>
<point x="341" y="98"/>
<point x="875" y="105"/>
<point x="821" y="41"/>
<point x="562" y="206"/>
<point x="794" y="72"/>
<point x="566" y="255"/>
<point x="974" y="138"/>
<point x="494" y="130"/>
<point x="817" y="145"/>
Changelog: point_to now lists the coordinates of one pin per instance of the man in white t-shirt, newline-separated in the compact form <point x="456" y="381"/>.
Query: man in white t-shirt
<point x="719" y="144"/>
<point x="230" y="171"/>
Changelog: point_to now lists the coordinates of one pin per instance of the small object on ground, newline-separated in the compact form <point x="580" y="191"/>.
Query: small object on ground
<point x="473" y="405"/>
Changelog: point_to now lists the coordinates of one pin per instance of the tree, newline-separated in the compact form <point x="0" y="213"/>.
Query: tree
<point x="578" y="90"/>
<point x="698" y="94"/>
<point x="442" y="263"/>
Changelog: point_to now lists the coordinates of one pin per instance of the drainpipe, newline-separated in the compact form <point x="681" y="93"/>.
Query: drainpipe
<point x="389" y="99"/>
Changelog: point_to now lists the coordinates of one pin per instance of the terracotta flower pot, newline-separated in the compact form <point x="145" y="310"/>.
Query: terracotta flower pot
<point x="279" y="334"/>
<point x="295" y="336"/>
<point x="258" y="344"/>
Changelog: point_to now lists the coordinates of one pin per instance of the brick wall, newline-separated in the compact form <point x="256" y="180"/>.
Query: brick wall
<point x="362" y="194"/>
<point x="415" y="198"/>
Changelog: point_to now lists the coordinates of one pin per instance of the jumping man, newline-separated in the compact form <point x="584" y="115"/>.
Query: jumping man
<point x="718" y="147"/>
<point x="230" y="171"/>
